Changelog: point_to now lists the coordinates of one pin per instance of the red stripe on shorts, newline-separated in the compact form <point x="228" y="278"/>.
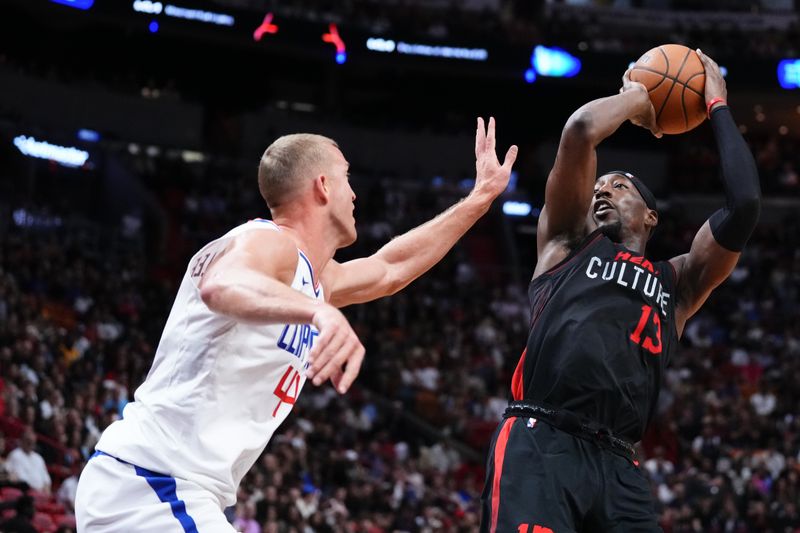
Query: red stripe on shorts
<point x="499" y="455"/>
<point x="517" y="385"/>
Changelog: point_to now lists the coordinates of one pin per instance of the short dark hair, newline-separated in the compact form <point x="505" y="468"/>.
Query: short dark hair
<point x="286" y="161"/>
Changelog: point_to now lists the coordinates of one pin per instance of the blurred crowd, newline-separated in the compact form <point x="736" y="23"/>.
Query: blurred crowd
<point x="82" y="307"/>
<point x="89" y="266"/>
<point x="694" y="165"/>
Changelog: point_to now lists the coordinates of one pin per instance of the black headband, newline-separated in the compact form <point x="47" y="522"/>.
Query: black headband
<point x="648" y="197"/>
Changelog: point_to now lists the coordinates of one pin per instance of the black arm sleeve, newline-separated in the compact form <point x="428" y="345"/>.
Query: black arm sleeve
<point x="733" y="224"/>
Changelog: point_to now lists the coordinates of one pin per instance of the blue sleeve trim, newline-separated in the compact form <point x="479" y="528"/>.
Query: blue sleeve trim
<point x="311" y="269"/>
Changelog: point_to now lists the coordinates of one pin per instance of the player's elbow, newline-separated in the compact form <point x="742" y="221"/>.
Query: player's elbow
<point x="733" y="225"/>
<point x="394" y="283"/>
<point x="748" y="210"/>
<point x="578" y="129"/>
<point x="745" y="204"/>
<point x="213" y="295"/>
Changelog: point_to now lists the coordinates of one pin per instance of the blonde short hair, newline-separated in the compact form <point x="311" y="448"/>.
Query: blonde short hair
<point x="287" y="161"/>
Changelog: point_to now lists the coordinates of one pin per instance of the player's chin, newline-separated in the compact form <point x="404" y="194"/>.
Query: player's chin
<point x="611" y="229"/>
<point x="351" y="236"/>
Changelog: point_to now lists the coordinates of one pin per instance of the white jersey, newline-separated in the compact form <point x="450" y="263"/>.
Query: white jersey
<point x="218" y="389"/>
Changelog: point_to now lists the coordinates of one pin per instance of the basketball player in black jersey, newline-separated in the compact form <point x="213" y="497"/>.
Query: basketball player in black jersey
<point x="605" y="322"/>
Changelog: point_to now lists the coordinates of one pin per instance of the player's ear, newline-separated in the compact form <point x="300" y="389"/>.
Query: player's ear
<point x="322" y="188"/>
<point x="651" y="219"/>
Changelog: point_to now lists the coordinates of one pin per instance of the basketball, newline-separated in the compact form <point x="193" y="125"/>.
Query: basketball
<point x="675" y="79"/>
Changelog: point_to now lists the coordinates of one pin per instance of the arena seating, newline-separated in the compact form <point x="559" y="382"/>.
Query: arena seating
<point x="78" y="330"/>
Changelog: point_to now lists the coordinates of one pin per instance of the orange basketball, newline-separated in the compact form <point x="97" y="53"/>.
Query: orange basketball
<point x="676" y="80"/>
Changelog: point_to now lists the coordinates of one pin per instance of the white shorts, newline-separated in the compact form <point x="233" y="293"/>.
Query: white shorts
<point x="115" y="496"/>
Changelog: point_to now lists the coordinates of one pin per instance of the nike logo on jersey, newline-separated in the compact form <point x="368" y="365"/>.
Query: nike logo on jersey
<point x="316" y="290"/>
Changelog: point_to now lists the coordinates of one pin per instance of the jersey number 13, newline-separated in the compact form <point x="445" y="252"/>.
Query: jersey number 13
<point x="652" y="345"/>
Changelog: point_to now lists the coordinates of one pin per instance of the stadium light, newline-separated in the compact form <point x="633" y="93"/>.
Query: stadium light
<point x="90" y="136"/>
<point x="198" y="15"/>
<point x="554" y="62"/>
<point x="512" y="181"/>
<point x="333" y="37"/>
<point x="377" y="44"/>
<point x="77" y="4"/>
<point x="28" y="219"/>
<point x="69" y="156"/>
<point x="449" y="52"/>
<point x="517" y="209"/>
<point x="789" y="73"/>
<point x="387" y="46"/>
<point x="148" y="7"/>
<point x="266" y="27"/>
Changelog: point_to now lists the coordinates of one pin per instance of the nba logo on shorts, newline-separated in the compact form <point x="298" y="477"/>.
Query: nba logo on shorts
<point x="531" y="422"/>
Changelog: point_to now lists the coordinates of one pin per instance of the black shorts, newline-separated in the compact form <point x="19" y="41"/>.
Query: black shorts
<point x="540" y="479"/>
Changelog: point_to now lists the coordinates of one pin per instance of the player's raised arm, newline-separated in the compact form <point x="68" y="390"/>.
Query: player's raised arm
<point x="717" y="246"/>
<point x="569" y="187"/>
<point x="408" y="256"/>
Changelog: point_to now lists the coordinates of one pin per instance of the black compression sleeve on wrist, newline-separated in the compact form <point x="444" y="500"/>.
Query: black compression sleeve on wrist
<point x="733" y="224"/>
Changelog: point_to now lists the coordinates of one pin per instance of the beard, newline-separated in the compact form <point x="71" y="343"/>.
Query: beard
<point x="613" y="231"/>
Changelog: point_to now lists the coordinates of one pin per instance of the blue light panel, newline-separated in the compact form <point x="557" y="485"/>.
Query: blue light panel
<point x="77" y="4"/>
<point x="789" y="73"/>
<point x="555" y="62"/>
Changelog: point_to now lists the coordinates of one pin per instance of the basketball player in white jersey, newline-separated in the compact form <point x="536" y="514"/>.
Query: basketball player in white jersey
<point x="255" y="315"/>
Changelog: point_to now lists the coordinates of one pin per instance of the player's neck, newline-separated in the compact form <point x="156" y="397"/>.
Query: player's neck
<point x="630" y="240"/>
<point x="311" y="236"/>
<point x="634" y="243"/>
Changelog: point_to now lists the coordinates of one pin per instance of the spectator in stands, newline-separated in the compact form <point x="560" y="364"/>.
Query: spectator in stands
<point x="21" y="521"/>
<point x="245" y="522"/>
<point x="66" y="492"/>
<point x="740" y="354"/>
<point x="27" y="465"/>
<point x="4" y="473"/>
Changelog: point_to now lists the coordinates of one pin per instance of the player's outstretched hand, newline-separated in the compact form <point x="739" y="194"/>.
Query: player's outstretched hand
<point x="491" y="176"/>
<point x="644" y="114"/>
<point x="337" y="353"/>
<point x="715" y="83"/>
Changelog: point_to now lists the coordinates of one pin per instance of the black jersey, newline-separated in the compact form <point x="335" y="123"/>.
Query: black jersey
<point x="602" y="332"/>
